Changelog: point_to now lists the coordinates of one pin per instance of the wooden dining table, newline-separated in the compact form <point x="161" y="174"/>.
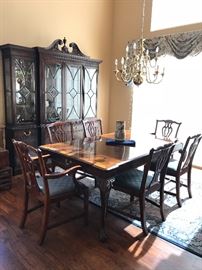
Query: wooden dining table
<point x="104" y="161"/>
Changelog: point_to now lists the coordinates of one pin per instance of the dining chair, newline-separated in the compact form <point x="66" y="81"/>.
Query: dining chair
<point x="181" y="165"/>
<point x="47" y="187"/>
<point x="92" y="127"/>
<point x="141" y="183"/>
<point x="78" y="134"/>
<point x="63" y="131"/>
<point x="167" y="129"/>
<point x="78" y="131"/>
<point x="59" y="131"/>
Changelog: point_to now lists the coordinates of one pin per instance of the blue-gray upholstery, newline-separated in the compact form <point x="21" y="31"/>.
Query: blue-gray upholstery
<point x="131" y="180"/>
<point x="57" y="186"/>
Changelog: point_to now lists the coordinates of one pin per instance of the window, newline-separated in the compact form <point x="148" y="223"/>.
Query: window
<point x="177" y="97"/>
<point x="172" y="13"/>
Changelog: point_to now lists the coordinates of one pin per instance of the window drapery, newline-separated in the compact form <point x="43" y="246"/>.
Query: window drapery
<point x="178" y="45"/>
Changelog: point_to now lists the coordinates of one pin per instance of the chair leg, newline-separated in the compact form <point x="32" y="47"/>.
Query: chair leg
<point x="142" y="214"/>
<point x="25" y="210"/>
<point x="178" y="191"/>
<point x="189" y="183"/>
<point x="162" y="202"/>
<point x="44" y="222"/>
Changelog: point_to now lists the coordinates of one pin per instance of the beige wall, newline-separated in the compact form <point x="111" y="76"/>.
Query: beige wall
<point x="39" y="22"/>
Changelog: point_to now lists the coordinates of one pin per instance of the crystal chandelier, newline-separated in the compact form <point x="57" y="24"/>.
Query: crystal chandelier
<point x="137" y="65"/>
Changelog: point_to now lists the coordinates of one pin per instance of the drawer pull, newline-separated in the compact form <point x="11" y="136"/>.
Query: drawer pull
<point x="27" y="133"/>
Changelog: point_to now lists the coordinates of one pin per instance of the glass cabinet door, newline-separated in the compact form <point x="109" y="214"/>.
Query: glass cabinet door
<point x="72" y="95"/>
<point x="90" y="92"/>
<point x="25" y="93"/>
<point x="53" y="92"/>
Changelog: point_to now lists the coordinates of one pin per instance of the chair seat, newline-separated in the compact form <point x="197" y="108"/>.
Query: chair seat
<point x="131" y="180"/>
<point x="172" y="167"/>
<point x="57" y="186"/>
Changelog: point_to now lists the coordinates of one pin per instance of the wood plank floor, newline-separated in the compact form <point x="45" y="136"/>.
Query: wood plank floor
<point x="75" y="246"/>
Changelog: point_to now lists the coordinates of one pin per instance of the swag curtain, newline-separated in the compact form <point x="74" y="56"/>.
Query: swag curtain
<point x="179" y="45"/>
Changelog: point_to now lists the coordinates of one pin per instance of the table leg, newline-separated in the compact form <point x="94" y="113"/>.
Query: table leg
<point x="105" y="186"/>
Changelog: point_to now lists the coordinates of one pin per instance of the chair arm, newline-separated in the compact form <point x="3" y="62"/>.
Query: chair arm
<point x="71" y="170"/>
<point x="43" y="156"/>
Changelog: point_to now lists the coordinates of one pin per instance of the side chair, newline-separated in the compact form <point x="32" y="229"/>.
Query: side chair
<point x="167" y="129"/>
<point x="141" y="184"/>
<point x="59" y="131"/>
<point x="47" y="187"/>
<point x="92" y="127"/>
<point x="78" y="132"/>
<point x="178" y="167"/>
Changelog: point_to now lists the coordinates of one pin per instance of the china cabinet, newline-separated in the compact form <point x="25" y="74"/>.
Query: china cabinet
<point x="67" y="84"/>
<point x="19" y="73"/>
<point x="43" y="85"/>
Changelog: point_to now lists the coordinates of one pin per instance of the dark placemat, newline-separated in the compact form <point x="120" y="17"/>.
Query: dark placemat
<point x="124" y="142"/>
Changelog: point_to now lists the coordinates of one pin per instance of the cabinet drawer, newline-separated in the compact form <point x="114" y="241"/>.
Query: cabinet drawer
<point x="27" y="135"/>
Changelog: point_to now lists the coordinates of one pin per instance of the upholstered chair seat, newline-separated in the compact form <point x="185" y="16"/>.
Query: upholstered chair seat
<point x="57" y="186"/>
<point x="132" y="180"/>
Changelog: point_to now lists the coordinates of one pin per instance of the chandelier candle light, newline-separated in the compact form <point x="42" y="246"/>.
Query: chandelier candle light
<point x="138" y="65"/>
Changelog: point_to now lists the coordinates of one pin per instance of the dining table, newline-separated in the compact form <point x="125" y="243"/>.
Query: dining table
<point x="105" y="161"/>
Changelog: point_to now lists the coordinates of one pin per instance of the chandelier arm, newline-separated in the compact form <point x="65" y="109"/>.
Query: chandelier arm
<point x="139" y="63"/>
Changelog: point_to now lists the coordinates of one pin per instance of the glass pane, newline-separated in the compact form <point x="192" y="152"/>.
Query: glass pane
<point x="53" y="96"/>
<point x="8" y="91"/>
<point x="73" y="92"/>
<point x="90" y="91"/>
<point x="25" y="90"/>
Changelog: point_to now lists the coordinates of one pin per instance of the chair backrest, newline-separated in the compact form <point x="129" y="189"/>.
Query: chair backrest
<point x="93" y="127"/>
<point x="59" y="131"/>
<point x="24" y="153"/>
<point x="188" y="152"/>
<point x="160" y="157"/>
<point x="77" y="130"/>
<point x="167" y="129"/>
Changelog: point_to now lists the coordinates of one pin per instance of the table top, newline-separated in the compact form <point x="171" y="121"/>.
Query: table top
<point x="97" y="153"/>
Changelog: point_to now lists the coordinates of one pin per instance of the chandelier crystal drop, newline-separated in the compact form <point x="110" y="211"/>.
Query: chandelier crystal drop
<point x="137" y="65"/>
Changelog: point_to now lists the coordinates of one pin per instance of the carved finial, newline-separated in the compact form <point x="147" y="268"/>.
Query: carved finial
<point x="64" y="47"/>
<point x="60" y="45"/>
<point x="55" y="45"/>
<point x="75" y="49"/>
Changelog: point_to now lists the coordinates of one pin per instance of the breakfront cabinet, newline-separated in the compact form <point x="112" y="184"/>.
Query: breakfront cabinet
<point x="44" y="85"/>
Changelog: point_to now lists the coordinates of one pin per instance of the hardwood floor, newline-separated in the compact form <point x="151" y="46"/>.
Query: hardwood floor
<point x="75" y="246"/>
